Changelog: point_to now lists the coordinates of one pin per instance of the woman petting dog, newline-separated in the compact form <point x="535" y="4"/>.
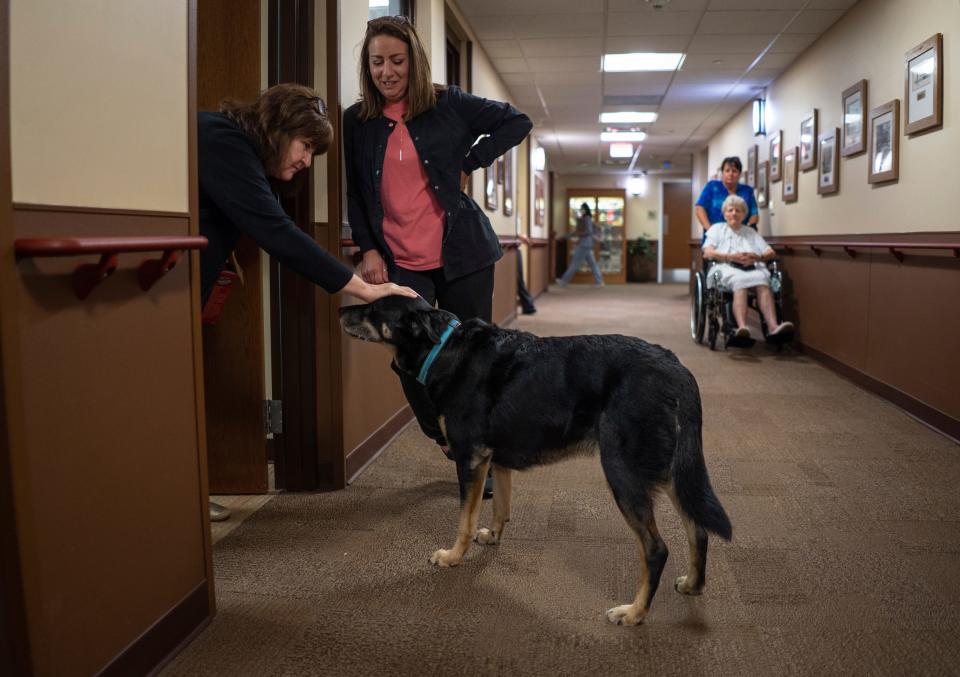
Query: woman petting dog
<point x="739" y="252"/>
<point x="410" y="146"/>
<point x="246" y="150"/>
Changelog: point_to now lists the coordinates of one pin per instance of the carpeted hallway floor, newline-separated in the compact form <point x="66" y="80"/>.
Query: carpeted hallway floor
<point x="846" y="516"/>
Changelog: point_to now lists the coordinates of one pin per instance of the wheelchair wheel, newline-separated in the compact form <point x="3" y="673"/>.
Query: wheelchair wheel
<point x="698" y="310"/>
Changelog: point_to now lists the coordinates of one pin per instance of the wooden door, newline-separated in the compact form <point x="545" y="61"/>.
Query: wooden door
<point x="677" y="212"/>
<point x="228" y="66"/>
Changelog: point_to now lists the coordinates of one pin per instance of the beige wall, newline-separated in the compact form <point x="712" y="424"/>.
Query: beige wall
<point x="123" y="144"/>
<point x="869" y="42"/>
<point x="643" y="211"/>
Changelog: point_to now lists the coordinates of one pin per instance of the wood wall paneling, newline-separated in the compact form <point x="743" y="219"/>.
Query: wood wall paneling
<point x="110" y="418"/>
<point x="228" y="67"/>
<point x="505" y="287"/>
<point x="539" y="267"/>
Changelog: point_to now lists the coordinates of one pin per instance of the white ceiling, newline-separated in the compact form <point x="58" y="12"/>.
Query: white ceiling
<point x="548" y="54"/>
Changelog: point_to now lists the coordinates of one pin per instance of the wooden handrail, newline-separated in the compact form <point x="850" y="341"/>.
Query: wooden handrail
<point x="850" y="247"/>
<point x="77" y="246"/>
<point x="89" y="275"/>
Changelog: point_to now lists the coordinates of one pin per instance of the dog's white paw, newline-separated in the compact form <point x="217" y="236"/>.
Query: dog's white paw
<point x="685" y="588"/>
<point x="444" y="558"/>
<point x="626" y="614"/>
<point x="486" y="537"/>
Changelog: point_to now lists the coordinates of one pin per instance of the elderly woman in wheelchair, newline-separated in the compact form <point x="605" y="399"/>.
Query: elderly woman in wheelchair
<point x="735" y="258"/>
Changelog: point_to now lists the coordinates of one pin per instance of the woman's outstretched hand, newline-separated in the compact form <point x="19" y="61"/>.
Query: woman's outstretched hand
<point x="369" y="293"/>
<point x="373" y="268"/>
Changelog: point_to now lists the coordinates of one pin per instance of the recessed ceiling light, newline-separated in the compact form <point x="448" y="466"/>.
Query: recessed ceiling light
<point x="621" y="150"/>
<point x="628" y="116"/>
<point x="623" y="136"/>
<point x="642" y="61"/>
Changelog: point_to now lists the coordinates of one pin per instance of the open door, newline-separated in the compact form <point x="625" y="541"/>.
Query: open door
<point x="229" y="66"/>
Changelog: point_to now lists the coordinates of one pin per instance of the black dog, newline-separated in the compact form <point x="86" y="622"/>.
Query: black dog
<point x="517" y="400"/>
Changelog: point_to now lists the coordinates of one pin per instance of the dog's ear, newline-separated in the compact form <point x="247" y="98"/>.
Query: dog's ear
<point x="434" y="323"/>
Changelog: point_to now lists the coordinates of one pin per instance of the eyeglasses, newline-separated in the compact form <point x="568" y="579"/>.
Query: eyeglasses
<point x="321" y="106"/>
<point x="398" y="20"/>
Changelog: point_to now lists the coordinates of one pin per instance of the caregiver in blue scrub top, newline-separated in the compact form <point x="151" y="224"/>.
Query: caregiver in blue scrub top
<point x="710" y="205"/>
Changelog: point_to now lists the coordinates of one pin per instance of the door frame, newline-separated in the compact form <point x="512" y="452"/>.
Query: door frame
<point x="660" y="225"/>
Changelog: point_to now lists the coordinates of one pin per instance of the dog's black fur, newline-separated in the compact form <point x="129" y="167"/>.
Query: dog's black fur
<point x="517" y="400"/>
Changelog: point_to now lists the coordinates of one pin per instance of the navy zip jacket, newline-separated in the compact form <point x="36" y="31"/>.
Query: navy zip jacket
<point x="236" y="199"/>
<point x="444" y="138"/>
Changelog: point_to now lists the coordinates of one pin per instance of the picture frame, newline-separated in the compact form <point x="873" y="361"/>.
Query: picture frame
<point x="923" y="86"/>
<point x="854" y="107"/>
<point x="499" y="164"/>
<point x="751" y="168"/>
<point x="791" y="162"/>
<point x="828" y="167"/>
<point x="539" y="201"/>
<point x="745" y="178"/>
<point x="490" y="187"/>
<point x="809" y="129"/>
<point x="508" y="183"/>
<point x="776" y="156"/>
<point x="883" y="125"/>
<point x="761" y="191"/>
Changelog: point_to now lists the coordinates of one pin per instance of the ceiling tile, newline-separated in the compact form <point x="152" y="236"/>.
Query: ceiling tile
<point x="582" y="78"/>
<point x="499" y="49"/>
<point x="832" y="4"/>
<point x="559" y="25"/>
<point x="794" y="43"/>
<point x="646" y="43"/>
<point x="814" y="21"/>
<point x="777" y="60"/>
<point x="739" y="5"/>
<point x="726" y="61"/>
<point x="518" y="79"/>
<point x="735" y="22"/>
<point x="545" y="47"/>
<point x="492" y="28"/>
<point x="644" y="23"/>
<point x="476" y="8"/>
<point x="510" y="65"/>
<point x="572" y="64"/>
<point x="733" y="44"/>
<point x="673" y="7"/>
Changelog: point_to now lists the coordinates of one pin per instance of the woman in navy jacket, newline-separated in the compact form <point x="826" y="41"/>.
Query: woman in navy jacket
<point x="413" y="223"/>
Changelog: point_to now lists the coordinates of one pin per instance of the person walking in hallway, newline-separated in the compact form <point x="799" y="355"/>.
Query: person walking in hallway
<point x="410" y="146"/>
<point x="244" y="152"/>
<point x="587" y="233"/>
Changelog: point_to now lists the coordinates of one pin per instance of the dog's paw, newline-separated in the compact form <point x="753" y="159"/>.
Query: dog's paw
<point x="626" y="614"/>
<point x="444" y="558"/>
<point x="685" y="588"/>
<point x="487" y="537"/>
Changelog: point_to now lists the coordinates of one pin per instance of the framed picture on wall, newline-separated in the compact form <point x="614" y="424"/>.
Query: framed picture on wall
<point x="776" y="157"/>
<point x="508" y="183"/>
<point x="499" y="164"/>
<point x="539" y="201"/>
<point x="884" y="143"/>
<point x="751" y="167"/>
<point x="828" y="175"/>
<point x="854" y="128"/>
<point x="490" y="186"/>
<point x="762" y="189"/>
<point x="808" y="141"/>
<point x="790" y="162"/>
<point x="923" y="86"/>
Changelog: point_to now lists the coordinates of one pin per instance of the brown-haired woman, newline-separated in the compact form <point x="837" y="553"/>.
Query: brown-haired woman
<point x="409" y="147"/>
<point x="243" y="149"/>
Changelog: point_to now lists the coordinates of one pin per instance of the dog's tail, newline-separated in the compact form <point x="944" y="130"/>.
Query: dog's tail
<point x="689" y="470"/>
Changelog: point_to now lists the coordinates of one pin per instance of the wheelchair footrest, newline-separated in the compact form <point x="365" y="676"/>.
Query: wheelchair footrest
<point x="781" y="338"/>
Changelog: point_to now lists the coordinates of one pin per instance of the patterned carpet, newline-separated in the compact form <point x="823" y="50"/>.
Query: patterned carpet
<point x="846" y="517"/>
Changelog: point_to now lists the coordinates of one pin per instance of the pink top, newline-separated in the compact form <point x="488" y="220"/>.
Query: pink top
<point x="412" y="217"/>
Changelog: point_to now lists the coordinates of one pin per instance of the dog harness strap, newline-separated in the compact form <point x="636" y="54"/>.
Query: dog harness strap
<point x="432" y="355"/>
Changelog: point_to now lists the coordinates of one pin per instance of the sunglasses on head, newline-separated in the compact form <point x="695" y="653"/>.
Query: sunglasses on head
<point x="398" y="20"/>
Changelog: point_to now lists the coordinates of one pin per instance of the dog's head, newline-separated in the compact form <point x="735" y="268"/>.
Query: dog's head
<point x="397" y="320"/>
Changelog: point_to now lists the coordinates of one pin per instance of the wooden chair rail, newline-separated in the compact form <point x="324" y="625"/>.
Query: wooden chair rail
<point x="89" y="275"/>
<point x="851" y="247"/>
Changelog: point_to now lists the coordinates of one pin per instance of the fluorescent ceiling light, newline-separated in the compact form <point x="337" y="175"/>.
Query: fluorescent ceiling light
<point x="643" y="61"/>
<point x="623" y="136"/>
<point x="628" y="116"/>
<point x="621" y="150"/>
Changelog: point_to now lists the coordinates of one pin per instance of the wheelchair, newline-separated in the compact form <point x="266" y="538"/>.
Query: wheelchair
<point x="711" y="309"/>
